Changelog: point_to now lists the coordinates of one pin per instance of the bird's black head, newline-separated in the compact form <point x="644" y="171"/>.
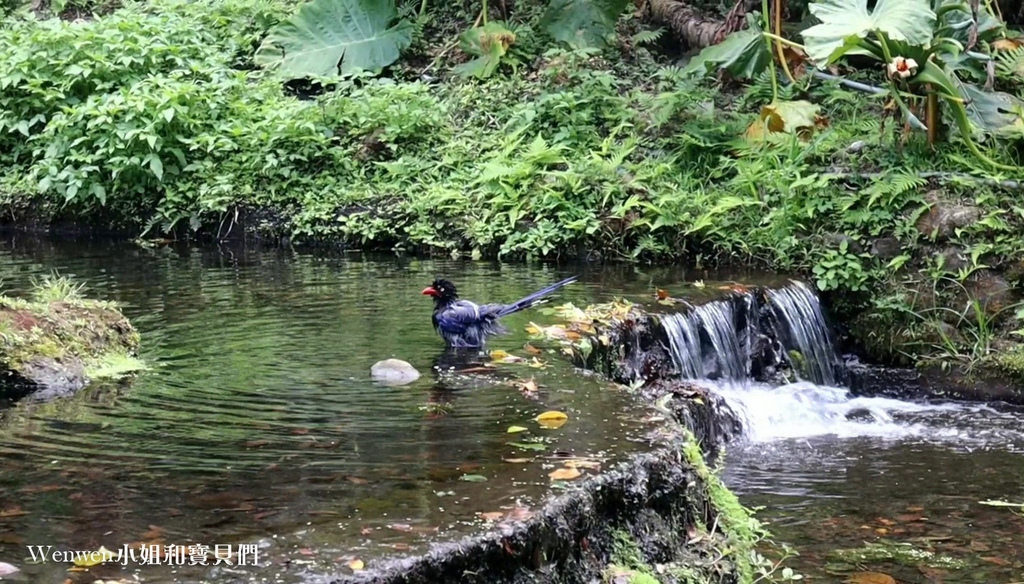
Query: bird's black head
<point x="443" y="291"/>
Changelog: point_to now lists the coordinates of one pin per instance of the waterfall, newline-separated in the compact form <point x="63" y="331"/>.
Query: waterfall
<point x="797" y="308"/>
<point x="718" y="340"/>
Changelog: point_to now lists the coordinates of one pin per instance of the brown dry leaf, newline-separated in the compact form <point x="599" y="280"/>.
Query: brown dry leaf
<point x="882" y="531"/>
<point x="663" y="294"/>
<point x="366" y="531"/>
<point x="979" y="546"/>
<point x="356" y="480"/>
<point x="491" y="515"/>
<point x="909" y="518"/>
<point x="796" y="59"/>
<point x="915" y="509"/>
<point x="13" y="511"/>
<point x="531" y="349"/>
<point x="996" y="560"/>
<point x="580" y="463"/>
<point x="528" y="386"/>
<point x="517" y="460"/>
<point x="884" y="521"/>
<point x="870" y="578"/>
<point x="306" y="551"/>
<point x="564" y="474"/>
<point x="1008" y="44"/>
<point x="257" y="443"/>
<point x="356" y="565"/>
<point x="154" y="532"/>
<point x="573" y="336"/>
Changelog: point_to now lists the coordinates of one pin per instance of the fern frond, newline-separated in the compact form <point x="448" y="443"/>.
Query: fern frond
<point x="646" y="37"/>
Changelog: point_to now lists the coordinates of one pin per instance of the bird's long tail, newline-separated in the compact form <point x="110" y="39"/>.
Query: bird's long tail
<point x="535" y="298"/>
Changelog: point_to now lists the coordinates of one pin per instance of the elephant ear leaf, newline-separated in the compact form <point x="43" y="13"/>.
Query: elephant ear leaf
<point x="326" y="37"/>
<point x="583" y="23"/>
<point x="844" y="22"/>
<point x="742" y="53"/>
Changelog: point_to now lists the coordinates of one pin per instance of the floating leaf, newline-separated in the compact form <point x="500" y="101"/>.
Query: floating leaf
<point x="473" y="478"/>
<point x="582" y="23"/>
<point x="491" y="515"/>
<point x="663" y="294"/>
<point x="498" y="355"/>
<point x="95" y="558"/>
<point x="564" y="474"/>
<point x="356" y="565"/>
<point x="516" y="429"/>
<point x="528" y="445"/>
<point x="326" y="36"/>
<point x="552" y="415"/>
<point x="845" y="22"/>
<point x="551" y="424"/>
<point x="517" y="460"/>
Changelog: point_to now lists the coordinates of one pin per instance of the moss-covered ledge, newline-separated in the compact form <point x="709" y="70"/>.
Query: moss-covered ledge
<point x="57" y="341"/>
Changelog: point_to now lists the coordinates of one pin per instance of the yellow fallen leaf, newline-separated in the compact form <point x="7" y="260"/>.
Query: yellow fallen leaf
<point x="528" y="386"/>
<point x="498" y="355"/>
<point x="95" y="558"/>
<point x="537" y="364"/>
<point x="516" y="429"/>
<point x="564" y="474"/>
<point x="356" y="565"/>
<point x="552" y="415"/>
<point x="533" y="329"/>
<point x="552" y="424"/>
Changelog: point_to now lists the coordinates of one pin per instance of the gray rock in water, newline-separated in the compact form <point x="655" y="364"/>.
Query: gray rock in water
<point x="394" y="372"/>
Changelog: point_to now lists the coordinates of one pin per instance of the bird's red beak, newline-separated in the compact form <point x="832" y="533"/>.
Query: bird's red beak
<point x="429" y="291"/>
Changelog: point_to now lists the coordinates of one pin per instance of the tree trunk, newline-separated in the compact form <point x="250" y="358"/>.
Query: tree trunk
<point x="694" y="27"/>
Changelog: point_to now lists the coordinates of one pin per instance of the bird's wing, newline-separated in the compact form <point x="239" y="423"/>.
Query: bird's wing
<point x="462" y="314"/>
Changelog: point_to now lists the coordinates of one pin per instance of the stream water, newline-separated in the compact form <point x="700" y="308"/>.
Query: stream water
<point x="257" y="423"/>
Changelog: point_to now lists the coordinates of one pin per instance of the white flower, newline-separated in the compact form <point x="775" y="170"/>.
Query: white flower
<point x="902" y="68"/>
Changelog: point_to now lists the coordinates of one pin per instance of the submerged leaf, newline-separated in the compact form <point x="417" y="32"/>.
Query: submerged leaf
<point x="564" y="474"/>
<point x="473" y="478"/>
<point x="870" y="578"/>
<point x="326" y="36"/>
<point x="528" y="445"/>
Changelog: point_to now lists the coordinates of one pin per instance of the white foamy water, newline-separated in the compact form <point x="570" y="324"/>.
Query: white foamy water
<point x="805" y="410"/>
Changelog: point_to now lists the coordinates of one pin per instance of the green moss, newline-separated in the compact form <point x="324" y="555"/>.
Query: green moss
<point x="900" y="553"/>
<point x="1009" y="363"/>
<point x="62" y="326"/>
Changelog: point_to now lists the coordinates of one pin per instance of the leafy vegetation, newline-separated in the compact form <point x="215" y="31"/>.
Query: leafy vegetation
<point x="158" y="118"/>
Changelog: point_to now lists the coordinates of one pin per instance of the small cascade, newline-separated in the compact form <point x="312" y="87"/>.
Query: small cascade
<point x="798" y="310"/>
<point x="746" y="334"/>
<point x="707" y="341"/>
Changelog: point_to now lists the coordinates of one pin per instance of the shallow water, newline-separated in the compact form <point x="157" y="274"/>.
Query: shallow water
<point x="257" y="422"/>
<point x="885" y="477"/>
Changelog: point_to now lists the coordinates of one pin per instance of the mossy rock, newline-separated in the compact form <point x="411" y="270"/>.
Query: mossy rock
<point x="56" y="346"/>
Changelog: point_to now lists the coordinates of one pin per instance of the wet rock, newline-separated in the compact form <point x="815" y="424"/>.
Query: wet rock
<point x="886" y="248"/>
<point x="943" y="219"/>
<point x="394" y="372"/>
<point x="992" y="291"/>
<point x="52" y="347"/>
<point x="1015" y="271"/>
<point x="838" y="239"/>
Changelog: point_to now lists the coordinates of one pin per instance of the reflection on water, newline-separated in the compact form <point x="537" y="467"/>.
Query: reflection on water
<point x="258" y="421"/>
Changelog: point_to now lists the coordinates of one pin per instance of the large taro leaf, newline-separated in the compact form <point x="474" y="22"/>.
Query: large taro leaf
<point x="582" y="23"/>
<point x="844" y="22"/>
<point x="990" y="111"/>
<point x="742" y="53"/>
<point x="488" y="44"/>
<point x="326" y="36"/>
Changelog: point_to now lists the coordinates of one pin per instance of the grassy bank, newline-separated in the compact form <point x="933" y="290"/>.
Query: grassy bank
<point x="155" y="119"/>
